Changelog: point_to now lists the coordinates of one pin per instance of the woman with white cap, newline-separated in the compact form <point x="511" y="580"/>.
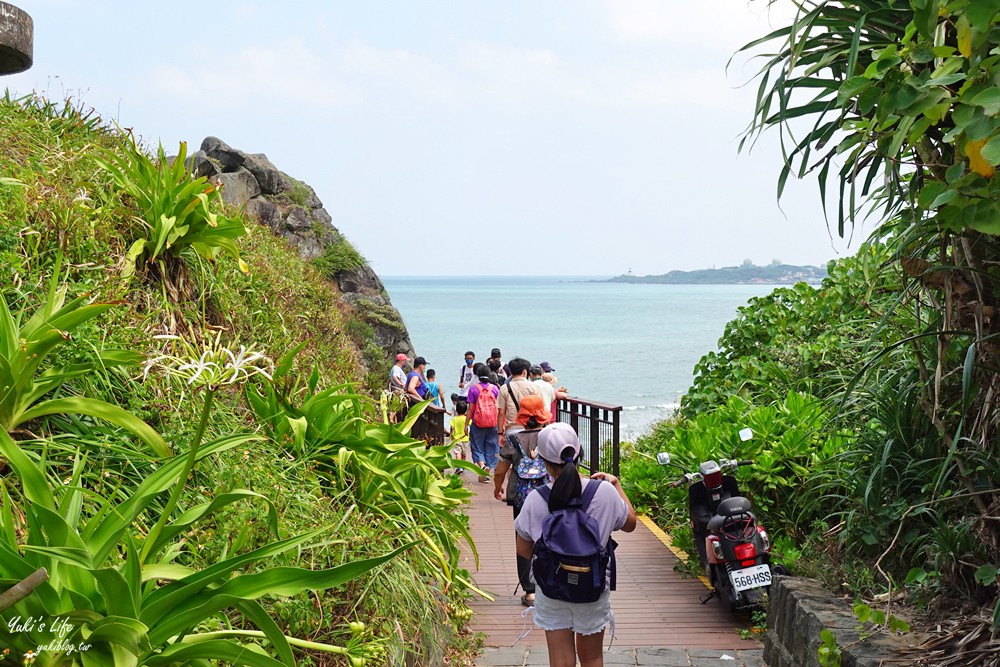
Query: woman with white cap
<point x="572" y="629"/>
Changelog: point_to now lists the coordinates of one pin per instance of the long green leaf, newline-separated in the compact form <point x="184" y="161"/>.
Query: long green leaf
<point x="276" y="581"/>
<point x="104" y="411"/>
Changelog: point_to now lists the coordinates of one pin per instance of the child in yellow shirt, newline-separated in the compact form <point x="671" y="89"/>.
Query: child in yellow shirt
<point x="459" y="436"/>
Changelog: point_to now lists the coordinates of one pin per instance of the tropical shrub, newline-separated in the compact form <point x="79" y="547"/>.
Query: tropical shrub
<point x="25" y="343"/>
<point x="398" y="478"/>
<point x="62" y="201"/>
<point x="902" y="101"/>
<point x="803" y="338"/>
<point x="793" y="441"/>
<point x="175" y="209"/>
<point x="123" y="595"/>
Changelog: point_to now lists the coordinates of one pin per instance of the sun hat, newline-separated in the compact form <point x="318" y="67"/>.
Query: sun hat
<point x="533" y="405"/>
<point x="558" y="443"/>
<point x="402" y="357"/>
<point x="550" y="378"/>
<point x="547" y="367"/>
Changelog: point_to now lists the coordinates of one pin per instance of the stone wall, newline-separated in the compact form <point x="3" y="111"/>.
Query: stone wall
<point x="798" y="610"/>
<point x="291" y="209"/>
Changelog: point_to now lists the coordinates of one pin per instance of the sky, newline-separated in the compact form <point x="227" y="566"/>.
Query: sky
<point x="465" y="137"/>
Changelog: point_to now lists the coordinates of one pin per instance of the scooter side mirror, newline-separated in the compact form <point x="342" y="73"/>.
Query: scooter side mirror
<point x="746" y="434"/>
<point x="663" y="458"/>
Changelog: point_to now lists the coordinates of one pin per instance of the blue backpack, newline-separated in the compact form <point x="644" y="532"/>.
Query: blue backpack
<point x="570" y="563"/>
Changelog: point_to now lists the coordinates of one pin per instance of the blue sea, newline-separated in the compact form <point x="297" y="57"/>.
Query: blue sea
<point x="629" y="345"/>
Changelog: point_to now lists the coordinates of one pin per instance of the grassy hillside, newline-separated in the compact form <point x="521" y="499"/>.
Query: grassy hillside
<point x="274" y="450"/>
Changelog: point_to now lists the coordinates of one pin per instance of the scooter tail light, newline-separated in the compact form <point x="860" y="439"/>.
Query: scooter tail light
<point x="711" y="474"/>
<point x="765" y="540"/>
<point x="746" y="551"/>
<point x="716" y="548"/>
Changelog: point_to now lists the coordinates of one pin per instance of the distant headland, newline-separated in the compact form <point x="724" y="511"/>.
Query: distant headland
<point x="748" y="273"/>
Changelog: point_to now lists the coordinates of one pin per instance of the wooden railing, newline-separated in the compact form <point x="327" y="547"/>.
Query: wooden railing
<point x="598" y="425"/>
<point x="431" y="426"/>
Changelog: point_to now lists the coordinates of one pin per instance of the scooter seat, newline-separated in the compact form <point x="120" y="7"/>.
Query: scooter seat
<point x="733" y="506"/>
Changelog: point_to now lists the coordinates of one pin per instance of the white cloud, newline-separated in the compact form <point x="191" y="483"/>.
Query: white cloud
<point x="267" y="78"/>
<point x="706" y="24"/>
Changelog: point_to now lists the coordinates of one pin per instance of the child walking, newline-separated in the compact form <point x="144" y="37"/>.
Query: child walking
<point x="459" y="437"/>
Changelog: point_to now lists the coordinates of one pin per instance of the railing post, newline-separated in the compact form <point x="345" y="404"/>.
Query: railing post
<point x="595" y="441"/>
<point x="616" y="435"/>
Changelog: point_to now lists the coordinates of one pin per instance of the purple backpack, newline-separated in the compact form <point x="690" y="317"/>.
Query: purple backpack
<point x="570" y="563"/>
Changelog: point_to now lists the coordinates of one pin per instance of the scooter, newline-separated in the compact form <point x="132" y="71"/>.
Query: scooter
<point x="734" y="548"/>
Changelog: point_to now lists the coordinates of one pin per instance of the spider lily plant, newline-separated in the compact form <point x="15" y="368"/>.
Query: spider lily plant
<point x="24" y="346"/>
<point x="175" y="209"/>
<point x="119" y="587"/>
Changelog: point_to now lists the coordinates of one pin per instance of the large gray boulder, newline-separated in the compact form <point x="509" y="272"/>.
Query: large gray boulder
<point x="270" y="179"/>
<point x="238" y="187"/>
<point x="293" y="210"/>
<point x="199" y="164"/>
<point x="228" y="157"/>
<point x="265" y="212"/>
<point x="298" y="220"/>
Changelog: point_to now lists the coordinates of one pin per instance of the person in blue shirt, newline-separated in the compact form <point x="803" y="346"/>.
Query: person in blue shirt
<point x="434" y="389"/>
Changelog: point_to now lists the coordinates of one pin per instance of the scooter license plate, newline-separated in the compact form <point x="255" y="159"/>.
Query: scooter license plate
<point x="751" y="577"/>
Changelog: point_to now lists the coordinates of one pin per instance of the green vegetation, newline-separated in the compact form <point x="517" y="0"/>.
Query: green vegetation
<point x="339" y="257"/>
<point x="299" y="194"/>
<point x="190" y="499"/>
<point x="874" y="395"/>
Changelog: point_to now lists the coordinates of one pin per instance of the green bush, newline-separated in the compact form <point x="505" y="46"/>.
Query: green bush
<point x="339" y="257"/>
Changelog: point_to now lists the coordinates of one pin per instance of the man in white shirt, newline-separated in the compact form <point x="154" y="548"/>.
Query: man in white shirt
<point x="397" y="378"/>
<point x="545" y="390"/>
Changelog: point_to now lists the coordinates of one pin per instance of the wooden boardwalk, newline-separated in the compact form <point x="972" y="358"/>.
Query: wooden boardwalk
<point x="654" y="606"/>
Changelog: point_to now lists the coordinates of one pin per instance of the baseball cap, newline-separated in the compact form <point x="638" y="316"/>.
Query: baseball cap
<point x="558" y="443"/>
<point x="402" y="357"/>
<point x="547" y="367"/>
<point x="419" y="361"/>
<point x="495" y="352"/>
<point x="535" y="370"/>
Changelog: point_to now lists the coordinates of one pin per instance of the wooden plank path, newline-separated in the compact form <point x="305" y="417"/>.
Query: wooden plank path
<point x="654" y="606"/>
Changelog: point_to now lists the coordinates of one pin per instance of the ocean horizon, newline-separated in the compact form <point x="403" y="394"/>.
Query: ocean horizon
<point x="634" y="345"/>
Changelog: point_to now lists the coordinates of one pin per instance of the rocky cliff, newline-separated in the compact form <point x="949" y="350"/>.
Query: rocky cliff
<point x="291" y="209"/>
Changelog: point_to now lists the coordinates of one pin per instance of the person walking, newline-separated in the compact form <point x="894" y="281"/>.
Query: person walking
<point x="482" y="422"/>
<point x="466" y="375"/>
<point x="459" y="434"/>
<point x="511" y="394"/>
<point x="522" y="471"/>
<point x="572" y="629"/>
<point x="545" y="390"/>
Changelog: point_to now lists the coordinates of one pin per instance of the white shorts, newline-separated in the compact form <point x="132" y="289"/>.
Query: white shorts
<point x="585" y="618"/>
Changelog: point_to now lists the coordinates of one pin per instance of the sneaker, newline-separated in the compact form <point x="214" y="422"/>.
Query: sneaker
<point x="486" y="479"/>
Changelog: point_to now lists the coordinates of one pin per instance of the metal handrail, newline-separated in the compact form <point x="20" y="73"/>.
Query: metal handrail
<point x="601" y="446"/>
